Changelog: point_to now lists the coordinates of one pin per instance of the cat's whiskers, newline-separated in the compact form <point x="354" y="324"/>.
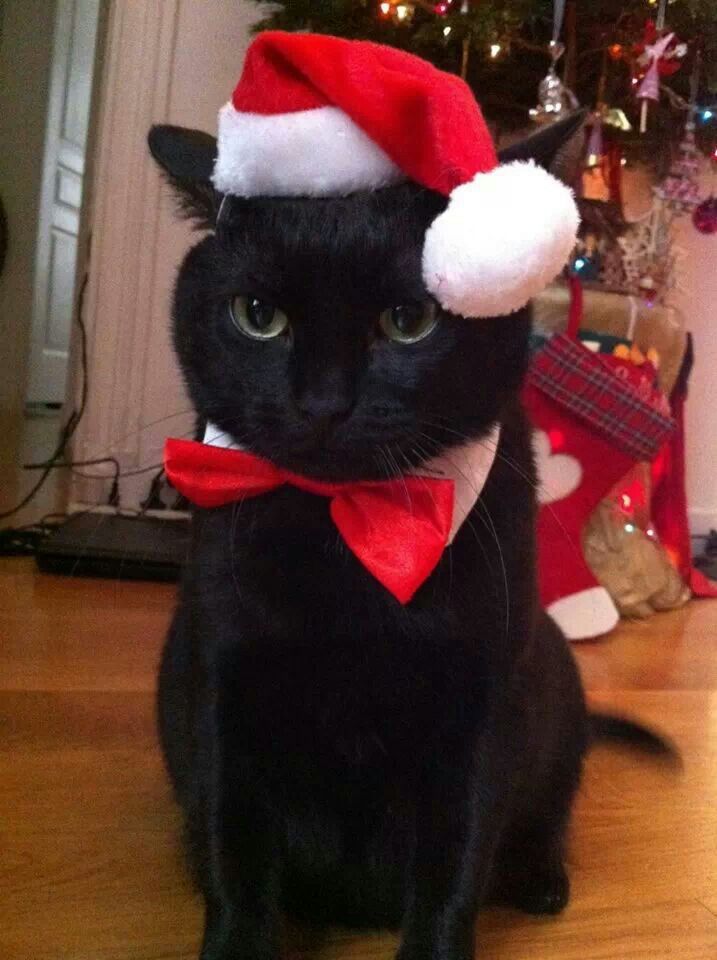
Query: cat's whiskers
<point x="383" y="463"/>
<point x="138" y="471"/>
<point x="493" y="448"/>
<point x="213" y="407"/>
<point x="418" y="449"/>
<point x="400" y="475"/>
<point x="411" y="471"/>
<point x="509" y="462"/>
<point x="236" y="507"/>
<point x="490" y="526"/>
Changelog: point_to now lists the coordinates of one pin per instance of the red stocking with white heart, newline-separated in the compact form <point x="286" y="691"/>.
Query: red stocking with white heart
<point x="575" y="471"/>
<point x="595" y="417"/>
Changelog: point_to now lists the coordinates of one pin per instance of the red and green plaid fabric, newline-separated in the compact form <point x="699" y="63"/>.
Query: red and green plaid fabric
<point x="616" y="398"/>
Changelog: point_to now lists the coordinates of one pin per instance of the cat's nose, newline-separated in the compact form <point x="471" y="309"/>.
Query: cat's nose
<point x="325" y="410"/>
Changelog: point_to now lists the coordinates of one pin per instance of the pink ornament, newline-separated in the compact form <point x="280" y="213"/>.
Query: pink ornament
<point x="649" y="89"/>
<point x="705" y="216"/>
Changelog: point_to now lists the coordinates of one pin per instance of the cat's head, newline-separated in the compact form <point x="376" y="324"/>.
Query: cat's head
<point x="304" y="329"/>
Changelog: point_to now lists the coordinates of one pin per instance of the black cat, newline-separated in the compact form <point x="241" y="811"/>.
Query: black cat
<point x="340" y="757"/>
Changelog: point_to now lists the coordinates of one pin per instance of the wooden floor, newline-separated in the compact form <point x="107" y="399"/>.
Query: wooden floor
<point x="90" y="867"/>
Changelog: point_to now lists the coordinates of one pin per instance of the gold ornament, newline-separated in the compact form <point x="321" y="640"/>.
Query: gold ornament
<point x="615" y="117"/>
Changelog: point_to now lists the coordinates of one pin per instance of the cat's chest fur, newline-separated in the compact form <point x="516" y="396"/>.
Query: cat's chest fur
<point x="319" y="657"/>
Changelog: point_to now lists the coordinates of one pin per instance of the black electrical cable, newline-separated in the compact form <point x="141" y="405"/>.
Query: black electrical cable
<point x="71" y="464"/>
<point x="153" y="500"/>
<point x="54" y="461"/>
<point x="140" y="470"/>
<point x="114" y="498"/>
<point x="74" y="418"/>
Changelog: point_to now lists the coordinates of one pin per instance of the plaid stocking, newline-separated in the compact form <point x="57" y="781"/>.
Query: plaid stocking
<point x="595" y="417"/>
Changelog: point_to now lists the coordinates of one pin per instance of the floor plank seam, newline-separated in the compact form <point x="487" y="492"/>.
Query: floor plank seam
<point x="706" y="907"/>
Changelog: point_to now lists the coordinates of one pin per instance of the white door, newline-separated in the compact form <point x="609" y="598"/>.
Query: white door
<point x="70" y="94"/>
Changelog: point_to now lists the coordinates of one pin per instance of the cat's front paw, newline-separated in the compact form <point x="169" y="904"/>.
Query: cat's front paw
<point x="541" y="891"/>
<point x="214" y="950"/>
<point x="223" y="941"/>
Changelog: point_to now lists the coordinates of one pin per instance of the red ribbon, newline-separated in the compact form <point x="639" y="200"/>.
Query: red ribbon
<point x="398" y="529"/>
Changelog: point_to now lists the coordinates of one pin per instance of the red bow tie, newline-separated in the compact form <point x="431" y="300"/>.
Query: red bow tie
<point x="398" y="529"/>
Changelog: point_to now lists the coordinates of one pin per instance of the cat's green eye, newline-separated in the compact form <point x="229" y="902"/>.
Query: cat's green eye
<point x="409" y="322"/>
<point x="257" y="318"/>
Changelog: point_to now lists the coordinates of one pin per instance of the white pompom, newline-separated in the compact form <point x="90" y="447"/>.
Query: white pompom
<point x="502" y="238"/>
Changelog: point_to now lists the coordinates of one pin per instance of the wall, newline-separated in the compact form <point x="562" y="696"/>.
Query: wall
<point x="697" y="299"/>
<point x="173" y="61"/>
<point x="26" y="29"/>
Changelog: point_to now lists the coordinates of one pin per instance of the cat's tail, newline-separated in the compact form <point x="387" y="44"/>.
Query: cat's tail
<point x="605" y="727"/>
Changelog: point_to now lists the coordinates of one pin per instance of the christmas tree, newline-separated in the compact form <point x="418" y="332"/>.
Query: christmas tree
<point x="680" y="187"/>
<point x="501" y="47"/>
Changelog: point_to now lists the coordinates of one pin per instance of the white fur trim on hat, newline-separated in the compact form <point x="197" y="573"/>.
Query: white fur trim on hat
<point x="502" y="238"/>
<point x="316" y="153"/>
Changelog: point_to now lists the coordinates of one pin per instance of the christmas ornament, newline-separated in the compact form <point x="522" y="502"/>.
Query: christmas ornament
<point x="303" y="93"/>
<point x="658" y="56"/>
<point x="617" y="118"/>
<point x="649" y="87"/>
<point x="595" y="148"/>
<point x="554" y="98"/>
<point x="705" y="216"/>
<point x="680" y="189"/>
<point x="670" y="60"/>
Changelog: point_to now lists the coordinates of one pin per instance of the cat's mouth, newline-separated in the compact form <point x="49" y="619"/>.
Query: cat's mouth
<point x="335" y="456"/>
<point x="344" y="461"/>
<point x="344" y="465"/>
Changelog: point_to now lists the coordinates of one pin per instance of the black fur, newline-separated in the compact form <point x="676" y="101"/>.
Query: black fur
<point x="340" y="757"/>
<point x="187" y="159"/>
<point x="606" y="728"/>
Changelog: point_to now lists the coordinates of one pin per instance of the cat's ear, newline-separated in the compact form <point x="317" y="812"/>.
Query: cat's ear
<point x="187" y="160"/>
<point x="558" y="147"/>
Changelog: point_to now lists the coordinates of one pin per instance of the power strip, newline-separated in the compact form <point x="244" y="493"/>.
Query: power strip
<point x="706" y="562"/>
<point x="116" y="545"/>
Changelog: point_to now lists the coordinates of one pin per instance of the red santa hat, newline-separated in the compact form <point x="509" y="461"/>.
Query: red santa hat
<point x="319" y="116"/>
